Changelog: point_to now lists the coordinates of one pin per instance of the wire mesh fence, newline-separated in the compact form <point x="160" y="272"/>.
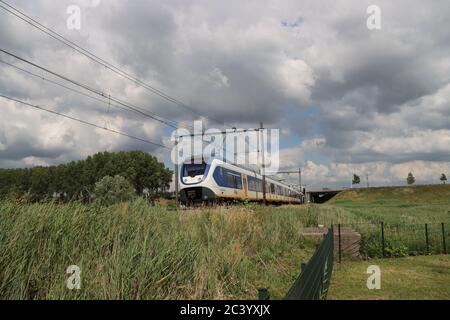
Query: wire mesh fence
<point x="379" y="240"/>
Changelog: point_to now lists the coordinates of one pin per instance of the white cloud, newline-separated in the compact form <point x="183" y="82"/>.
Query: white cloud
<point x="380" y="98"/>
<point x="296" y="80"/>
<point x="424" y="171"/>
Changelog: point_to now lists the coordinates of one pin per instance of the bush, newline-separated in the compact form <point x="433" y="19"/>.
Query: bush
<point x="112" y="190"/>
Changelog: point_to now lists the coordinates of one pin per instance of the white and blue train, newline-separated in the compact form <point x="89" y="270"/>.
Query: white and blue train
<point x="215" y="181"/>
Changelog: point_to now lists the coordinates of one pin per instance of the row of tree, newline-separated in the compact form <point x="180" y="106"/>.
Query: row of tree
<point x="410" y="179"/>
<point x="76" y="180"/>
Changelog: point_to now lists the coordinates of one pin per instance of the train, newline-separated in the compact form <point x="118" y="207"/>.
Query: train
<point x="214" y="181"/>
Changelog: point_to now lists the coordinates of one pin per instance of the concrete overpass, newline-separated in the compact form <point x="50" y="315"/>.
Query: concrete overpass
<point x="322" y="195"/>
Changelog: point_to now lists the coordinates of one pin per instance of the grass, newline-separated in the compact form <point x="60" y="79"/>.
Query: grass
<point x="424" y="277"/>
<point x="419" y="204"/>
<point x="135" y="251"/>
<point x="404" y="211"/>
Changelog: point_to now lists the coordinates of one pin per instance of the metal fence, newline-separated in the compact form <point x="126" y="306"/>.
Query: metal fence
<point x="384" y="240"/>
<point x="314" y="279"/>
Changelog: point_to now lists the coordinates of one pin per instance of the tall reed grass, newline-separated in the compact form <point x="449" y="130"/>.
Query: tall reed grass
<point x="136" y="251"/>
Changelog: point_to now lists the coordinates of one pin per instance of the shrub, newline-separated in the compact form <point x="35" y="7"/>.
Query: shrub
<point x="112" y="190"/>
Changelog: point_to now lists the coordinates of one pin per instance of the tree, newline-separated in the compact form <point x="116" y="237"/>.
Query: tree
<point x="410" y="179"/>
<point x="76" y="180"/>
<point x="443" y="178"/>
<point x="112" y="190"/>
<point x="356" y="179"/>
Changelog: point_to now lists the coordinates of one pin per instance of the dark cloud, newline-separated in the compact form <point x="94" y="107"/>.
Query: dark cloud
<point x="312" y="69"/>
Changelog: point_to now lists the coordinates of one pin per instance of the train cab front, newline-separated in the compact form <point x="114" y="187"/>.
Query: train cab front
<point x="193" y="190"/>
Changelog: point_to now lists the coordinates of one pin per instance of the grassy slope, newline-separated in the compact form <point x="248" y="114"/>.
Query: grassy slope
<point x="134" y="251"/>
<point x="413" y="194"/>
<point x="419" y="204"/>
<point x="424" y="277"/>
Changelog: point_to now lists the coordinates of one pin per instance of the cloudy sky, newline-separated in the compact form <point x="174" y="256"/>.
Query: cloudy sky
<point x="345" y="98"/>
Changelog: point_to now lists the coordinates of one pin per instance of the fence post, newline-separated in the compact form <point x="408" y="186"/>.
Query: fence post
<point x="339" y="242"/>
<point x="302" y="267"/>
<point x="426" y="238"/>
<point x="382" y="240"/>
<point x="263" y="294"/>
<point x="444" y="245"/>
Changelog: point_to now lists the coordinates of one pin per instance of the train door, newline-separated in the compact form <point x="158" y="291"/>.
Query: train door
<point x="244" y="183"/>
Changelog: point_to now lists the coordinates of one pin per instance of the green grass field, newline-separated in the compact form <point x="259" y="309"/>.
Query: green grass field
<point x="137" y="251"/>
<point x="424" y="277"/>
<point x="419" y="204"/>
<point x="408" y="208"/>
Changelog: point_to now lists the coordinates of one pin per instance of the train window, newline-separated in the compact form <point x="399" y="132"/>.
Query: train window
<point x="219" y="177"/>
<point x="251" y="184"/>
<point x="228" y="178"/>
<point x="259" y="187"/>
<point x="238" y="182"/>
<point x="193" y="169"/>
<point x="230" y="181"/>
<point x="254" y="184"/>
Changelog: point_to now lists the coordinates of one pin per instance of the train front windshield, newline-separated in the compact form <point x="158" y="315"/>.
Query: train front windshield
<point x="192" y="169"/>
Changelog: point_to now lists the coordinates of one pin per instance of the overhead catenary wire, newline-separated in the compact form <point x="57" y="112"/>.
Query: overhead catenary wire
<point x="126" y="107"/>
<point x="84" y="122"/>
<point x="55" y="35"/>
<point x="33" y="22"/>
<point x="88" y="88"/>
<point x="137" y="110"/>
<point x="98" y="92"/>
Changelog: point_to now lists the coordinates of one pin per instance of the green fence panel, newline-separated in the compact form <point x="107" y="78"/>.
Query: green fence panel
<point x="314" y="280"/>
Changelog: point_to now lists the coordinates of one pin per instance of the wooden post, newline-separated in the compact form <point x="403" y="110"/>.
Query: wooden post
<point x="382" y="240"/>
<point x="339" y="242"/>
<point x="263" y="294"/>
<point x="426" y="238"/>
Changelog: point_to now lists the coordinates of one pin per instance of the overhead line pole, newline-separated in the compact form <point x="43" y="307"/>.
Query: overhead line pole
<point x="292" y="172"/>
<point x="221" y="132"/>
<point x="263" y="166"/>
<point x="224" y="133"/>
<point x="177" y="187"/>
